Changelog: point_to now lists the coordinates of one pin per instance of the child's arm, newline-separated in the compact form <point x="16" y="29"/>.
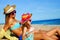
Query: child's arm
<point x="24" y="33"/>
<point x="31" y="31"/>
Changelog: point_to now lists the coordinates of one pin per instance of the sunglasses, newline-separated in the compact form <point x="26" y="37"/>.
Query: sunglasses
<point x="30" y="20"/>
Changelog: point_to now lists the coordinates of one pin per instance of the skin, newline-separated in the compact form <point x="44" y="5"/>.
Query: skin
<point x="43" y="34"/>
<point x="47" y="35"/>
<point x="11" y="21"/>
<point x="26" y="28"/>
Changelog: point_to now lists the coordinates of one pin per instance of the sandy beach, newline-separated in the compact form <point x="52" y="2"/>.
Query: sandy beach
<point x="40" y="27"/>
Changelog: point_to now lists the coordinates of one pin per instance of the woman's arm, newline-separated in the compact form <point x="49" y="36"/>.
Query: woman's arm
<point x="2" y="31"/>
<point x="6" y="26"/>
<point x="24" y="32"/>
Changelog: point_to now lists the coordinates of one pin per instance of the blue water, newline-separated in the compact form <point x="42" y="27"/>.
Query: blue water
<point x="48" y="22"/>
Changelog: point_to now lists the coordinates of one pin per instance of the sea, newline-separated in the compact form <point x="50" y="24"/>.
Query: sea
<point x="45" y="22"/>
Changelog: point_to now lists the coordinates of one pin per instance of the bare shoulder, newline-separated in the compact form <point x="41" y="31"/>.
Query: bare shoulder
<point x="17" y="20"/>
<point x="32" y="29"/>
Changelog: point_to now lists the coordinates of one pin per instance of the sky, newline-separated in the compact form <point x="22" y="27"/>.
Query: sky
<point x="40" y="9"/>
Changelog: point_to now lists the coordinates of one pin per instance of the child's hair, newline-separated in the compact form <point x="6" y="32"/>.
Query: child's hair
<point x="25" y="25"/>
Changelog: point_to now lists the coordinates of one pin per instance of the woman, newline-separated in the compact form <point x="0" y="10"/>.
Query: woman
<point x="27" y="29"/>
<point x="11" y="22"/>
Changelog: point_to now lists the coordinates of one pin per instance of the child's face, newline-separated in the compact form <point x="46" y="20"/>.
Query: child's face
<point x="12" y="15"/>
<point x="28" y="23"/>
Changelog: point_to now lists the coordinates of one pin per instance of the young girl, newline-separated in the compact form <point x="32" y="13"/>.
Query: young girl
<point x="27" y="29"/>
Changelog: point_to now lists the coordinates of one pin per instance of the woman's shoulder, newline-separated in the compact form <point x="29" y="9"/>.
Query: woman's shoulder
<point x="17" y="21"/>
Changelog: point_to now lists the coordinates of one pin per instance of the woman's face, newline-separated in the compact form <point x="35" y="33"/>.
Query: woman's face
<point x="12" y="15"/>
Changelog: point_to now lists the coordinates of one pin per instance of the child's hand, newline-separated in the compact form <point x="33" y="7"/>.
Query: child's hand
<point x="27" y="35"/>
